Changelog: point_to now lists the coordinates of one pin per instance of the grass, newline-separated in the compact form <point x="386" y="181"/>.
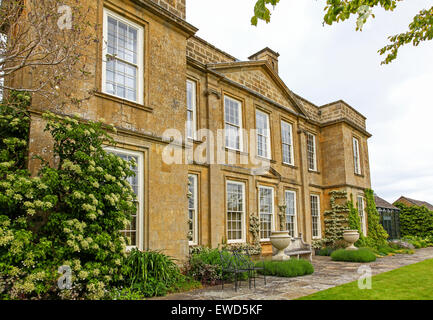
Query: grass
<point x="288" y="268"/>
<point x="413" y="282"/>
<point x="360" y="255"/>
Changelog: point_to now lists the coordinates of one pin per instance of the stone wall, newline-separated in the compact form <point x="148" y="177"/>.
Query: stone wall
<point x="176" y="7"/>
<point x="341" y="110"/>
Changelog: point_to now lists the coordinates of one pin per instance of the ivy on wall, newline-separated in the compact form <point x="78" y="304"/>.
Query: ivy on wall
<point x="377" y="235"/>
<point x="415" y="221"/>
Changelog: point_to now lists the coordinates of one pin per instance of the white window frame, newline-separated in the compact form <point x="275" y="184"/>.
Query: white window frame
<point x="195" y="219"/>
<point x="140" y="195"/>
<point x="267" y="136"/>
<point x="361" y="212"/>
<point x="140" y="55"/>
<point x="314" y="168"/>
<point x="193" y="109"/>
<point x="290" y="143"/>
<point x="356" y="156"/>
<point x="272" y="214"/>
<point x="243" y="230"/>
<point x="239" y="126"/>
<point x="319" y="222"/>
<point x="295" y="215"/>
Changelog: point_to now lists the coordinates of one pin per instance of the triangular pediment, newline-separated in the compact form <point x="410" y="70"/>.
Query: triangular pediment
<point x="259" y="77"/>
<point x="267" y="172"/>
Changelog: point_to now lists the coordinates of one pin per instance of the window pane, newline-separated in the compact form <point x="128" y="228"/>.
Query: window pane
<point x="311" y="151"/>
<point x="192" y="208"/>
<point x="191" y="108"/>
<point x="315" y="215"/>
<point x="232" y="111"/>
<point x="131" y="231"/>
<point x="286" y="138"/>
<point x="266" y="212"/>
<point x="290" y="213"/>
<point x="121" y="66"/>
<point x="235" y="211"/>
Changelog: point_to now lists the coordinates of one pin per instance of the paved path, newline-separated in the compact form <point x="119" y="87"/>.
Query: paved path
<point x="327" y="274"/>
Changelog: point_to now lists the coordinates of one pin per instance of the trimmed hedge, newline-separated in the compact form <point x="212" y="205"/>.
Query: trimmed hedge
<point x="415" y="221"/>
<point x="360" y="255"/>
<point x="288" y="268"/>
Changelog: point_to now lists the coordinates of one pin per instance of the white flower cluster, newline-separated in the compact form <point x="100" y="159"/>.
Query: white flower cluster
<point x="68" y="165"/>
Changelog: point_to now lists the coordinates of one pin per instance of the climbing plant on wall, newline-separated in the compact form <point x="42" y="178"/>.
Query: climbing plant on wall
<point x="336" y="219"/>
<point x="377" y="235"/>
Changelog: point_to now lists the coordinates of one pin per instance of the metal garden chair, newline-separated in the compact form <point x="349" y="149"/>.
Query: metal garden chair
<point x="230" y="264"/>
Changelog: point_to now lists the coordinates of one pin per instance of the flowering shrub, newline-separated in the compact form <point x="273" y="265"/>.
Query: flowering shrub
<point x="70" y="214"/>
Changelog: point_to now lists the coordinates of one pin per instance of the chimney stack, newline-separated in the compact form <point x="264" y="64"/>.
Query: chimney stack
<point x="268" y="55"/>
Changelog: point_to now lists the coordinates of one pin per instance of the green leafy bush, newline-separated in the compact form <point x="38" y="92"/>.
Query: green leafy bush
<point x="415" y="221"/>
<point x="205" y="265"/>
<point x="325" y="251"/>
<point x="124" y="294"/>
<point x="153" y="273"/>
<point x="288" y="268"/>
<point x="419" y="242"/>
<point x="360" y="255"/>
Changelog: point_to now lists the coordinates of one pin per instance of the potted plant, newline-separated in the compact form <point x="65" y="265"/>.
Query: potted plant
<point x="351" y="236"/>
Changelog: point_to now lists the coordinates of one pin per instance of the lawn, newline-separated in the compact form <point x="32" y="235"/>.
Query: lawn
<point x="413" y="282"/>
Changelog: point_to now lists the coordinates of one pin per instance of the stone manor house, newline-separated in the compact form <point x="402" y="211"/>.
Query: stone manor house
<point x="153" y="74"/>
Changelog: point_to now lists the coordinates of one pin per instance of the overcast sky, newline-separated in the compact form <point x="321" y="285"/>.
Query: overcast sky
<point x="328" y="63"/>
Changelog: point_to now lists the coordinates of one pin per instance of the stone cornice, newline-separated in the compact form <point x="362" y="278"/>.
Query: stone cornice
<point x="152" y="7"/>
<point x="349" y="123"/>
<point x="122" y="131"/>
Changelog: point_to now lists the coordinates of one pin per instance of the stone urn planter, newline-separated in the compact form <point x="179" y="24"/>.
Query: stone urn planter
<point x="351" y="236"/>
<point x="280" y="240"/>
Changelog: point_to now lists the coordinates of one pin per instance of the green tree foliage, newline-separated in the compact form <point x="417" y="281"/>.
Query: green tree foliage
<point x="415" y="221"/>
<point x="262" y="12"/>
<point x="69" y="214"/>
<point x="420" y="29"/>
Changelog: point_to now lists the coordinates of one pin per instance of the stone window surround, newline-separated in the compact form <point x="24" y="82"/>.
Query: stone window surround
<point x="319" y="225"/>
<point x="195" y="178"/>
<point x="239" y="125"/>
<point x="267" y="136"/>
<point x="314" y="152"/>
<point x="272" y="207"/>
<point x="243" y="222"/>
<point x="140" y="195"/>
<point x="295" y="215"/>
<point x="290" y="143"/>
<point x="356" y="156"/>
<point x="140" y="55"/>
<point x="193" y="108"/>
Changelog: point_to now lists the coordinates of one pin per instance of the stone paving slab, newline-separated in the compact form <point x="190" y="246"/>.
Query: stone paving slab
<point x="327" y="274"/>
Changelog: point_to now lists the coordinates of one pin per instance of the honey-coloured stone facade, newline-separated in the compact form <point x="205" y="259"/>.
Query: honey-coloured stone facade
<point x="173" y="55"/>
